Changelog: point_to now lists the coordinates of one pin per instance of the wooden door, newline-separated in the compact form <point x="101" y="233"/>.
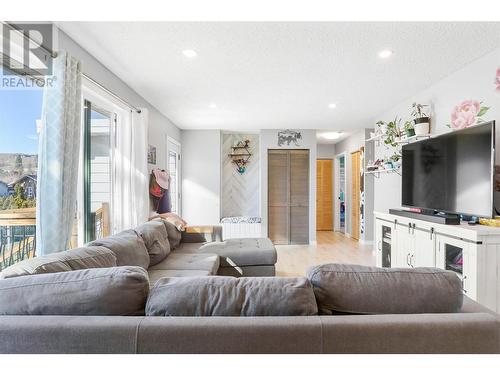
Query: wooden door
<point x="355" y="194"/>
<point x="299" y="196"/>
<point x="278" y="196"/>
<point x="324" y="195"/>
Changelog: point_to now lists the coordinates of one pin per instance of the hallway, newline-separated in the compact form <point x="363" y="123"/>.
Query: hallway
<point x="331" y="247"/>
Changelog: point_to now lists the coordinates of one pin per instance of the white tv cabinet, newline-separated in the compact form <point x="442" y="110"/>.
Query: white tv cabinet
<point x="406" y="242"/>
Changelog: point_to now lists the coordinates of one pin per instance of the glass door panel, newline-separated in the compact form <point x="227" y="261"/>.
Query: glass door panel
<point x="98" y="172"/>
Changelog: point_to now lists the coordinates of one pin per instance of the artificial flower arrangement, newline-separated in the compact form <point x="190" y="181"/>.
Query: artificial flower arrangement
<point x="468" y="113"/>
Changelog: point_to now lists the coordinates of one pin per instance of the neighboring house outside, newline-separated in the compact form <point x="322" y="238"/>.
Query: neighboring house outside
<point x="4" y="189"/>
<point x="28" y="182"/>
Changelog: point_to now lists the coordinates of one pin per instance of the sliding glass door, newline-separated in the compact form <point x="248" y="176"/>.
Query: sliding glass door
<point x="98" y="155"/>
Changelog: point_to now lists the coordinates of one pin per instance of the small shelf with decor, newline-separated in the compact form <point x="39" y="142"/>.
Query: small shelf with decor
<point x="413" y="138"/>
<point x="377" y="172"/>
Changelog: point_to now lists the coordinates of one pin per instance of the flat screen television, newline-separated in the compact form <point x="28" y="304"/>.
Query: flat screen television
<point x="451" y="173"/>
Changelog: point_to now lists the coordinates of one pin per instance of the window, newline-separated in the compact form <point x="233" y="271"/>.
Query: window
<point x="173" y="169"/>
<point x="20" y="112"/>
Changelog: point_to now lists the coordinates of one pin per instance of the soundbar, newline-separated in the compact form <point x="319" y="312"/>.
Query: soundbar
<point x="439" y="218"/>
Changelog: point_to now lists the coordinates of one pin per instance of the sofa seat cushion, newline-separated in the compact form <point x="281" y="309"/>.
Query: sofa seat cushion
<point x="188" y="247"/>
<point x="95" y="291"/>
<point x="355" y="289"/>
<point x="201" y="262"/>
<point x="243" y="251"/>
<point x="155" y="275"/>
<point x="128" y="247"/>
<point x="229" y="296"/>
<point x="69" y="260"/>
<point x="155" y="237"/>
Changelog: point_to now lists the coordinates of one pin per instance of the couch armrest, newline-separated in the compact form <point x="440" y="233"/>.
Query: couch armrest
<point x="202" y="233"/>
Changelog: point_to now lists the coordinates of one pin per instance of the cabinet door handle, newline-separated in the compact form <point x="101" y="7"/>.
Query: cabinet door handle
<point x="432" y="232"/>
<point x="411" y="260"/>
<point x="413" y="229"/>
<point x="379" y="246"/>
<point x="463" y="283"/>
<point x="408" y="259"/>
<point x="409" y="228"/>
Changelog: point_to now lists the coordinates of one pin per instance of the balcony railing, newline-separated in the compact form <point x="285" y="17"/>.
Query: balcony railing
<point x="17" y="236"/>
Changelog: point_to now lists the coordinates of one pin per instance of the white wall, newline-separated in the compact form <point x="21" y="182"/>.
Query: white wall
<point x="159" y="125"/>
<point x="325" y="151"/>
<point x="474" y="81"/>
<point x="269" y="140"/>
<point x="201" y="176"/>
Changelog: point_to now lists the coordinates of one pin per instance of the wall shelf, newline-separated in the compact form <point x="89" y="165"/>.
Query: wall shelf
<point x="377" y="172"/>
<point x="413" y="139"/>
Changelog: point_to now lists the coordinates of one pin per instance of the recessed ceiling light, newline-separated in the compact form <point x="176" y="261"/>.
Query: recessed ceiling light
<point x="332" y="105"/>
<point x="213" y="105"/>
<point x="385" y="53"/>
<point x="331" y="135"/>
<point x="189" y="53"/>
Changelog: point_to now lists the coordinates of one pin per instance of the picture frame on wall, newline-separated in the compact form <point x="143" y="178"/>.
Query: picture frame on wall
<point x="151" y="154"/>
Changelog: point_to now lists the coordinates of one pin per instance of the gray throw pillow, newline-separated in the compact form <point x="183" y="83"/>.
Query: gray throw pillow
<point x="229" y="296"/>
<point x="354" y="289"/>
<point x="95" y="291"/>
<point x="128" y="247"/>
<point x="155" y="237"/>
<point x="68" y="260"/>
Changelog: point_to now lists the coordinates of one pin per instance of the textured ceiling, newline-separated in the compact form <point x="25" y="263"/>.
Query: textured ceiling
<point x="281" y="75"/>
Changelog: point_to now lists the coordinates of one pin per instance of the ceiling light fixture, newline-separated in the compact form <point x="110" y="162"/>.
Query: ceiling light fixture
<point x="213" y="105"/>
<point x="189" y="53"/>
<point x="385" y="53"/>
<point x="332" y="105"/>
<point x="331" y="135"/>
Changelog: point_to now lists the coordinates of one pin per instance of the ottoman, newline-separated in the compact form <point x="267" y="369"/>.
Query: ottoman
<point x="244" y="256"/>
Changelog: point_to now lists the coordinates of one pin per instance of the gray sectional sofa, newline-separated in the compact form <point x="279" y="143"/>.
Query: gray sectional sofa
<point x="131" y="293"/>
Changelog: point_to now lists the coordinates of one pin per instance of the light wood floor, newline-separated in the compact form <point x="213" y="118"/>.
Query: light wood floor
<point x="332" y="247"/>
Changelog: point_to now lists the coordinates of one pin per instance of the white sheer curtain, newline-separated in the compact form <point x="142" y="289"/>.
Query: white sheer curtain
<point x="130" y="187"/>
<point x="58" y="156"/>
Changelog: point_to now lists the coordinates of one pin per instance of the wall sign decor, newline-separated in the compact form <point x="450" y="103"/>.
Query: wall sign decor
<point x="468" y="113"/>
<point x="240" y="155"/>
<point x="151" y="154"/>
<point x="289" y="136"/>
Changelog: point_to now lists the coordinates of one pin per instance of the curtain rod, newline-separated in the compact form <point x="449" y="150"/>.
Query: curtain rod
<point x="54" y="54"/>
<point x="110" y="92"/>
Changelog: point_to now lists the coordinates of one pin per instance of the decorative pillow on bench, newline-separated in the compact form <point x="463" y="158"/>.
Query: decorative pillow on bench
<point x="95" y="291"/>
<point x="68" y="260"/>
<point x="229" y="296"/>
<point x="354" y="289"/>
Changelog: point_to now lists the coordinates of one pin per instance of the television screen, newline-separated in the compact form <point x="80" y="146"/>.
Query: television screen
<point x="452" y="172"/>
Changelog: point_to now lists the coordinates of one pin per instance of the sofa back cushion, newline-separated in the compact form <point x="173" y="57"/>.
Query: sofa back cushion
<point x="128" y="247"/>
<point x="228" y="296"/>
<point x="354" y="289"/>
<point x="155" y="237"/>
<point x="95" y="291"/>
<point x="69" y="260"/>
<point x="174" y="235"/>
